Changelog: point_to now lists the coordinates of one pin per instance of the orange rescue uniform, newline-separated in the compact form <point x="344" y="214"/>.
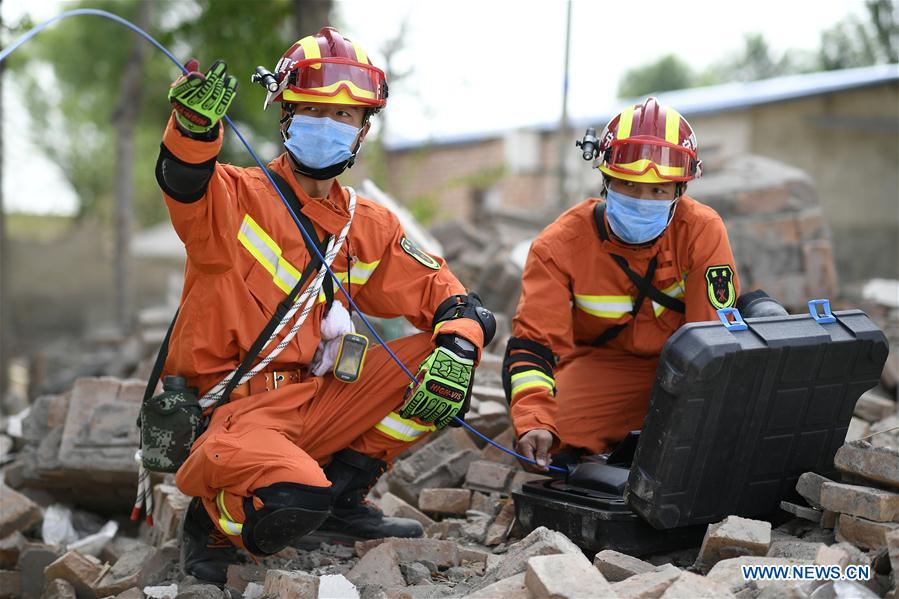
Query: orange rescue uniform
<point x="574" y="289"/>
<point x="242" y="248"/>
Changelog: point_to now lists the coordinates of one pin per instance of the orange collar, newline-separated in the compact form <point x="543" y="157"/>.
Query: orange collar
<point x="330" y="213"/>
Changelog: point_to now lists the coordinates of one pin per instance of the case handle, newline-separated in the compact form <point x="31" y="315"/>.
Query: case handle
<point x="738" y="324"/>
<point x="827" y="316"/>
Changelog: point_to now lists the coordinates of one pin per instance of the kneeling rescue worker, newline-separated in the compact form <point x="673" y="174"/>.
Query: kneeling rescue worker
<point x="606" y="285"/>
<point x="295" y="449"/>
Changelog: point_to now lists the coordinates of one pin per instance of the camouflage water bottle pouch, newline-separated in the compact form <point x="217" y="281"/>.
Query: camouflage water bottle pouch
<point x="170" y="422"/>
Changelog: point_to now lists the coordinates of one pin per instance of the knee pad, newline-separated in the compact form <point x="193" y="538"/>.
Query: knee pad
<point x="290" y="511"/>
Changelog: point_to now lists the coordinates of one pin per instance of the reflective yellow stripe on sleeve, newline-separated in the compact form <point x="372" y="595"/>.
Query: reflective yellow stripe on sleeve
<point x="393" y="425"/>
<point x="532" y="378"/>
<point x="268" y="253"/>
<point x="360" y="273"/>
<point x="605" y="306"/>
<point x="226" y="523"/>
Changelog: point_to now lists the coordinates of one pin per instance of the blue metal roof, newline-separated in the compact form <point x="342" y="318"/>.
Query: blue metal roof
<point x="706" y="100"/>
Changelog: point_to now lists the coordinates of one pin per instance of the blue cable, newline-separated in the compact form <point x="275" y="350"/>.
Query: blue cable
<point x="113" y="17"/>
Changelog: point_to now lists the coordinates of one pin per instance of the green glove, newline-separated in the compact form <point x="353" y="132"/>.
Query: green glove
<point x="441" y="390"/>
<point x="200" y="101"/>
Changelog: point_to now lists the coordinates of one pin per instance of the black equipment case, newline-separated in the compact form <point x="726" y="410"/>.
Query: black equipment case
<point x="739" y="410"/>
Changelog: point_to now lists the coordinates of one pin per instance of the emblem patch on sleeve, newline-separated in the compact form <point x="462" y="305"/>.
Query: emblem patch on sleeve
<point x="414" y="251"/>
<point x="720" y="282"/>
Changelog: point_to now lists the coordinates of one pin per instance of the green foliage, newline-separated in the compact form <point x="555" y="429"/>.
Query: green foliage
<point x="73" y="116"/>
<point x="853" y="42"/>
<point x="665" y="74"/>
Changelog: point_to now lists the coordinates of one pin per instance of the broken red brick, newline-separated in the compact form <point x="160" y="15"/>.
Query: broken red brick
<point x="445" y="501"/>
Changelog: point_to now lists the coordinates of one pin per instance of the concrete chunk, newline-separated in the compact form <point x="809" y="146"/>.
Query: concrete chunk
<point x="395" y="506"/>
<point x="445" y="501"/>
<point x="126" y="571"/>
<point x="488" y="476"/>
<point x="795" y="549"/>
<point x="649" y="585"/>
<point x="541" y="541"/>
<point x="240" y="575"/>
<point x="60" y="589"/>
<point x="693" y="586"/>
<point x="17" y="512"/>
<point x="832" y="556"/>
<point x="499" y="528"/>
<point x="10" y="584"/>
<point x="379" y="566"/>
<point x="507" y="588"/>
<point x="874" y="406"/>
<point x="35" y="557"/>
<point x="615" y="566"/>
<point x="892" y="539"/>
<point x="169" y="505"/>
<point x="800" y="511"/>
<point x="729" y="573"/>
<point x="565" y="576"/>
<point x="80" y="570"/>
<point x="10" y="548"/>
<point x="865" y="502"/>
<point x="878" y="464"/>
<point x="809" y="486"/>
<point x="862" y="532"/>
<point x="734" y="537"/>
<point x="290" y="585"/>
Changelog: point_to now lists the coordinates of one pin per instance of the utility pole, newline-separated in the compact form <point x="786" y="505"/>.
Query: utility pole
<point x="4" y="253"/>
<point x="125" y="120"/>
<point x="563" y="122"/>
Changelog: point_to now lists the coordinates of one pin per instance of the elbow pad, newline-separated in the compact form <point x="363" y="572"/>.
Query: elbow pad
<point x="181" y="180"/>
<point x="467" y="306"/>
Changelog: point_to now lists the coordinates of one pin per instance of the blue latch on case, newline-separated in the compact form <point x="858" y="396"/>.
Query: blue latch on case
<point x="827" y="316"/>
<point x="738" y="324"/>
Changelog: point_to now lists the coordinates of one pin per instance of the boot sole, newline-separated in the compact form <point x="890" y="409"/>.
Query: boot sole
<point x="273" y="525"/>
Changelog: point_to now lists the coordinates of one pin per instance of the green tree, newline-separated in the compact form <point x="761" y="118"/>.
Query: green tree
<point x="667" y="73"/>
<point x="855" y="43"/>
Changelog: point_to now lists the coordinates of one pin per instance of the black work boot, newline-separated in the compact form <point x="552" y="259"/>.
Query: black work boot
<point x="206" y="551"/>
<point x="352" y="475"/>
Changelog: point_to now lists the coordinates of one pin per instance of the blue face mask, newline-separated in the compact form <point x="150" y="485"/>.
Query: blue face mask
<point x="637" y="221"/>
<point x="320" y="142"/>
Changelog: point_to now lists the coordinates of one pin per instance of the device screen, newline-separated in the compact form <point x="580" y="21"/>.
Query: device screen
<point x="349" y="364"/>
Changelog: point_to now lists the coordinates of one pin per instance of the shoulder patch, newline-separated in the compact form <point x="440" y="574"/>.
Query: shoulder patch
<point x="720" y="283"/>
<point x="414" y="251"/>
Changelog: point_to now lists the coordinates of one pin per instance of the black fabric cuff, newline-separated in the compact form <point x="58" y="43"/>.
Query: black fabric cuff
<point x="181" y="180"/>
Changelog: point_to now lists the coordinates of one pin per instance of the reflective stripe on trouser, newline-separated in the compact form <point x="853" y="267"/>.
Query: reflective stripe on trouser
<point x="395" y="426"/>
<point x="251" y="444"/>
<point x="226" y="522"/>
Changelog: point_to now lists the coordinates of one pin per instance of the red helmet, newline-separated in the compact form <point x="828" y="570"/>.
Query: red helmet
<point x="328" y="68"/>
<point x="649" y="143"/>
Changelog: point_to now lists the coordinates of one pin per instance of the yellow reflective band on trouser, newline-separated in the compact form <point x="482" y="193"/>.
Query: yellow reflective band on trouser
<point x="676" y="290"/>
<point x="397" y="427"/>
<point x="360" y="273"/>
<point x="532" y="378"/>
<point x="268" y="253"/>
<point x="625" y="123"/>
<point x="672" y="125"/>
<point x="226" y="523"/>
<point x="605" y="306"/>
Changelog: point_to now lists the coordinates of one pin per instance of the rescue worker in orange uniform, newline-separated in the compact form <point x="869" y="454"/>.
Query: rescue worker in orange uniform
<point x="607" y="284"/>
<point x="293" y="452"/>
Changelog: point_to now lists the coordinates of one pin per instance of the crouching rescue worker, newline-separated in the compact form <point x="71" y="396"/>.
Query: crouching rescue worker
<point x="606" y="285"/>
<point x="295" y="448"/>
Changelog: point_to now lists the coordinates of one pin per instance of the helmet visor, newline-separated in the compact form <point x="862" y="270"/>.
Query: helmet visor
<point x="635" y="157"/>
<point x="329" y="77"/>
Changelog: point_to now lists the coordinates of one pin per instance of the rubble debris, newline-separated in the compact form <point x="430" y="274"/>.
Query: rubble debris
<point x="694" y="586"/>
<point x="734" y="537"/>
<point x="875" y="405"/>
<point x="489" y="477"/>
<point x="615" y="566"/>
<point x="809" y="486"/>
<point x="445" y="501"/>
<point x="865" y="502"/>
<point x="394" y="506"/>
<point x="541" y="541"/>
<point x="82" y="571"/>
<point x="290" y="585"/>
<point x="17" y="512"/>
<point x="126" y="571"/>
<point x="10" y="583"/>
<point x="877" y="464"/>
<point x="35" y="557"/>
<point x="800" y="511"/>
<point x="648" y="585"/>
<point x="60" y="589"/>
<point x="10" y="548"/>
<point x="565" y="576"/>
<point x="863" y="533"/>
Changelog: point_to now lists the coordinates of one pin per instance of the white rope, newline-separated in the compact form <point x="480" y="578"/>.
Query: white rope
<point x="307" y="300"/>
